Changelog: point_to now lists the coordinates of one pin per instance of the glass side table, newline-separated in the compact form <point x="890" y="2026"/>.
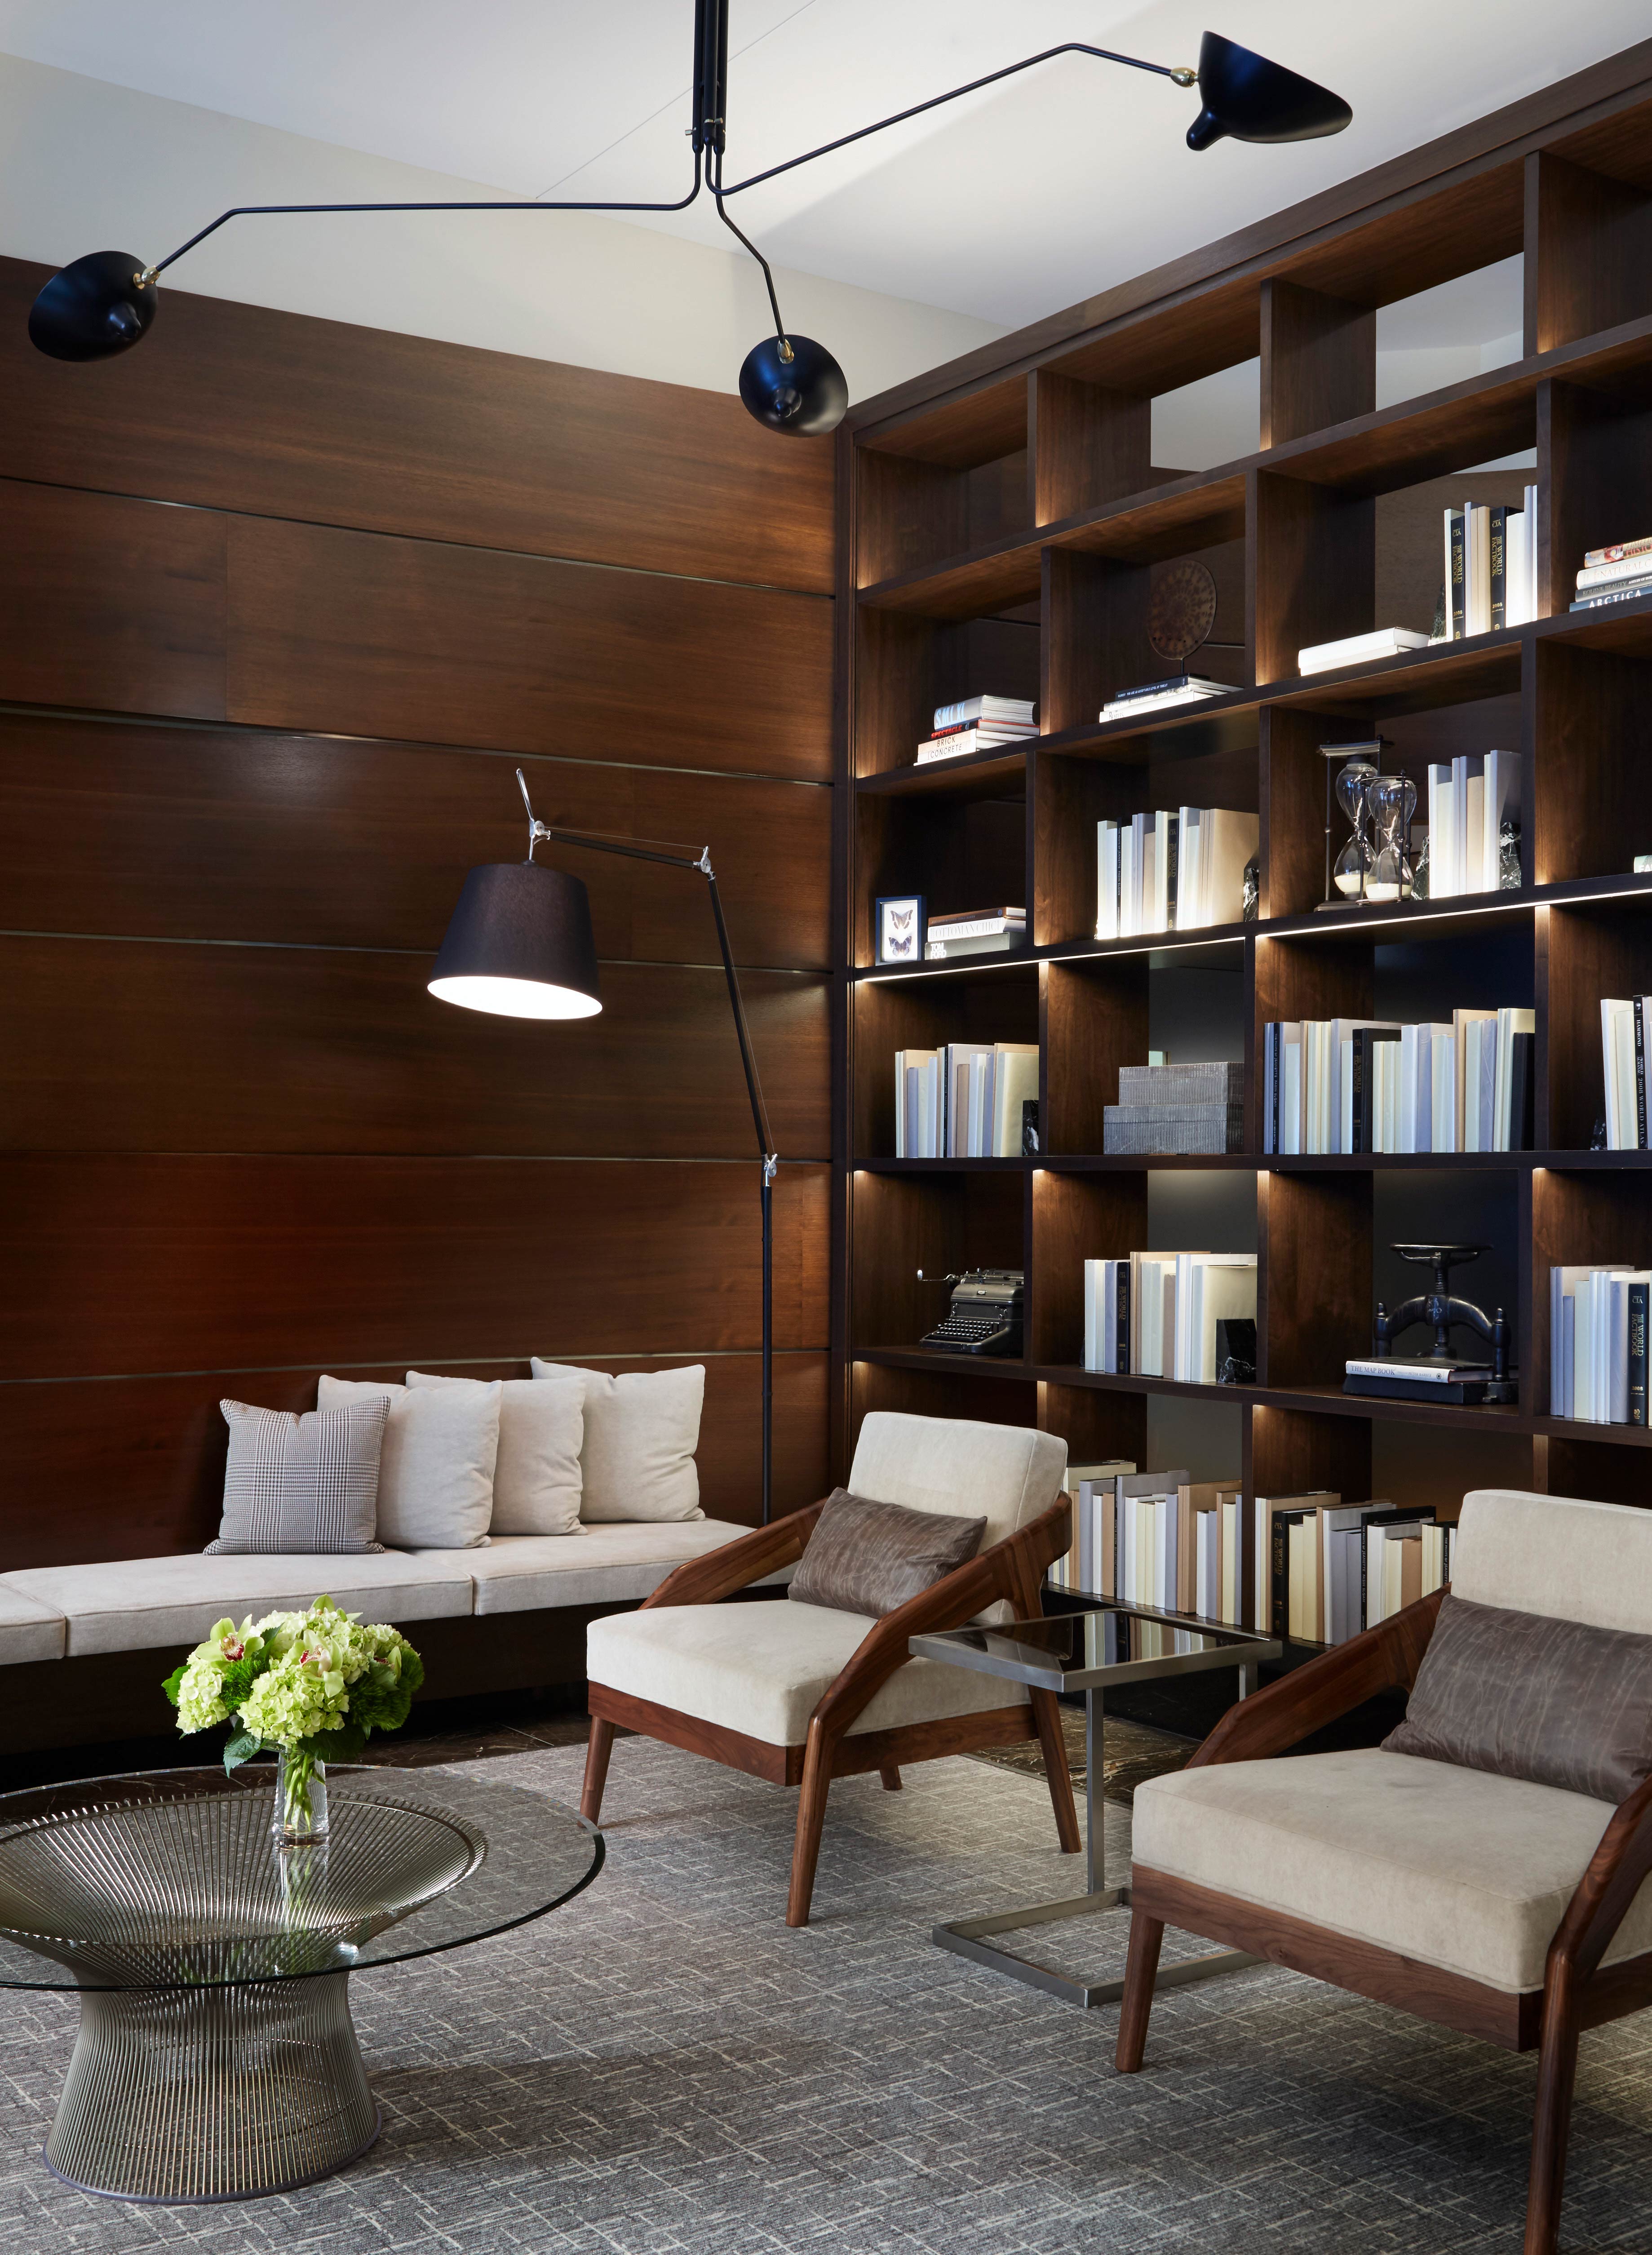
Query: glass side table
<point x="1108" y="1644"/>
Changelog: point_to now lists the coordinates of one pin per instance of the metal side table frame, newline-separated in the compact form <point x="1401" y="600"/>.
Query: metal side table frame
<point x="1070" y="1654"/>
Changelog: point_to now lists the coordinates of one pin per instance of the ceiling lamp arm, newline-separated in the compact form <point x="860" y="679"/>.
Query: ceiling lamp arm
<point x="1179" y="75"/>
<point x="514" y="203"/>
<point x="715" y="170"/>
<point x="700" y="864"/>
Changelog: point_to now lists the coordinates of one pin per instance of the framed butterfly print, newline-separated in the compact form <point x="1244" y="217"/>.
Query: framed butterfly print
<point x="900" y="928"/>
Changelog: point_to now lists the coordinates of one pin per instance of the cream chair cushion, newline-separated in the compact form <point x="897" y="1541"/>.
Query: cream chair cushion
<point x="1556" y="1554"/>
<point x="1009" y="1473"/>
<point x="762" y="1669"/>
<point x="1455" y="1867"/>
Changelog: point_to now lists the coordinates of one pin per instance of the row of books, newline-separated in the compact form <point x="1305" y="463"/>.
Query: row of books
<point x="1491" y="566"/>
<point x="1469" y="799"/>
<point x="965" y="1101"/>
<point x="1178" y="1110"/>
<point x="978" y="724"/>
<point x="1168" y="1315"/>
<point x="1621" y="573"/>
<point x="1172" y="869"/>
<point x="1624" y="1027"/>
<point x="1155" y="696"/>
<point x="1360" y="1084"/>
<point x="1307" y="1566"/>
<point x="1337" y="1569"/>
<point x="1597" y="1343"/>
<point x="974" y="931"/>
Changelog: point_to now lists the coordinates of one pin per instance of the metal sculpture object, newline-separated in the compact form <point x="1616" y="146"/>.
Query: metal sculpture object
<point x="1442" y="1308"/>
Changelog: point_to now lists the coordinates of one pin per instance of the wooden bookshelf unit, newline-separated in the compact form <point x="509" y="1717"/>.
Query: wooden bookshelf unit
<point x="999" y="523"/>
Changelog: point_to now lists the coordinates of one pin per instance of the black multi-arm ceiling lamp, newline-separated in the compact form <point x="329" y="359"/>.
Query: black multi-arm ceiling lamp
<point x="105" y="303"/>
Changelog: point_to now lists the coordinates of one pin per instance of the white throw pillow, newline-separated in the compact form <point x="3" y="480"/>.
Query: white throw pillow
<point x="535" y="1481"/>
<point x="641" y="1432"/>
<point x="435" y="1479"/>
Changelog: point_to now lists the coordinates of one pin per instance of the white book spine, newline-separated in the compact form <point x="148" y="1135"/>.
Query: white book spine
<point x="1445" y="1091"/>
<point x="1531" y="513"/>
<point x="1107" y="854"/>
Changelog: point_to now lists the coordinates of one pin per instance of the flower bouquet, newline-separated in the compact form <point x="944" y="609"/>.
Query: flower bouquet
<point x="309" y="1687"/>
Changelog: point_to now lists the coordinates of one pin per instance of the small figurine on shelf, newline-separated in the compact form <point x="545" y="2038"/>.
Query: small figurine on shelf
<point x="1508" y="856"/>
<point x="1252" y="896"/>
<point x="1420" y="867"/>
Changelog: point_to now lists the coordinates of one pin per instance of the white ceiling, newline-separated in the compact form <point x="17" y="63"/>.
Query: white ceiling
<point x="1006" y="205"/>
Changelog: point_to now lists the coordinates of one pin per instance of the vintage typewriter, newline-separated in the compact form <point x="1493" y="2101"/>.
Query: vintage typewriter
<point x="985" y="1317"/>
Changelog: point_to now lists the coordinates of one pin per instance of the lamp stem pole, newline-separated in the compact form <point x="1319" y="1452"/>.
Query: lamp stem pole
<point x="767" y="1153"/>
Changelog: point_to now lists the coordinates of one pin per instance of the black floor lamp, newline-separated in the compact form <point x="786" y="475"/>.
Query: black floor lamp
<point x="520" y="946"/>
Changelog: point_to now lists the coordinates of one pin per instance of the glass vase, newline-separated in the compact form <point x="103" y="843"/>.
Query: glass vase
<point x="300" y="1809"/>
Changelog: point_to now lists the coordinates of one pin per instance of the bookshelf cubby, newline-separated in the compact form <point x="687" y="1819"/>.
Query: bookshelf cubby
<point x="1004" y="518"/>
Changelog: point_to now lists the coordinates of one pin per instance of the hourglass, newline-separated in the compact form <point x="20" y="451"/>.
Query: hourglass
<point x="1347" y="879"/>
<point x="1392" y="801"/>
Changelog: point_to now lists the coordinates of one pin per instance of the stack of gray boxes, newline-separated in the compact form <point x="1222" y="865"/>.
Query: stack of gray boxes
<point x="1175" y="1111"/>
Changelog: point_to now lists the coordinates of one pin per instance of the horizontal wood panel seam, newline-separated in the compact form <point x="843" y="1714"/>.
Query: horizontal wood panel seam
<point x="431" y="540"/>
<point x="92" y="716"/>
<point x="449" y="1363"/>
<point x="342" y="947"/>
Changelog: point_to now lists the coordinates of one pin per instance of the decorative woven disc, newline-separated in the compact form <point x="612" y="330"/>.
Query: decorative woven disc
<point x="1183" y="608"/>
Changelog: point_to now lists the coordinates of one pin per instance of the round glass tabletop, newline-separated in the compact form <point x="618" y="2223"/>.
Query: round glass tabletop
<point x="173" y="1880"/>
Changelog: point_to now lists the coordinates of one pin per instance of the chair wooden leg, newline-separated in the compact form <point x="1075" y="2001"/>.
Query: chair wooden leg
<point x="1046" y="1713"/>
<point x="1141" y="1969"/>
<point x="596" y="1768"/>
<point x="1551" y="2121"/>
<point x="812" y="1806"/>
<point x="891" y="1776"/>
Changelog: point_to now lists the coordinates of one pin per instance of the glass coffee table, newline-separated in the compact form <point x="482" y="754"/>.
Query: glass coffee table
<point x="1086" y="1652"/>
<point x="215" y="2058"/>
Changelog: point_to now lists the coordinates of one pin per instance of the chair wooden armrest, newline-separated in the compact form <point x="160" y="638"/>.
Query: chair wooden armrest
<point x="1383" y="1659"/>
<point x="1603" y="1895"/>
<point x="720" y="1573"/>
<point x="1012" y="1569"/>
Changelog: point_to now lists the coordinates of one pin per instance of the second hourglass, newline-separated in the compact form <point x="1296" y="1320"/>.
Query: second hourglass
<point x="1392" y="799"/>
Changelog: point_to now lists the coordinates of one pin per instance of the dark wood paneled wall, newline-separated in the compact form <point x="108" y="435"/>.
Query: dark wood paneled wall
<point x="282" y="602"/>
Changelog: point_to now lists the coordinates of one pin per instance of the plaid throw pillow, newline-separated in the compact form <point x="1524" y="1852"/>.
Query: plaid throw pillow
<point x="306" y="1483"/>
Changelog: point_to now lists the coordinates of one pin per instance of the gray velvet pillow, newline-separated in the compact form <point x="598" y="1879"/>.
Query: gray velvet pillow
<point x="1554" y="1702"/>
<point x="867" y="1557"/>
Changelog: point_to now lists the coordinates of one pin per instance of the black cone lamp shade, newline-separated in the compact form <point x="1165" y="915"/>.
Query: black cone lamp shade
<point x="519" y="946"/>
<point x="1247" y="98"/>
<point x="804" y="396"/>
<point x="92" y="309"/>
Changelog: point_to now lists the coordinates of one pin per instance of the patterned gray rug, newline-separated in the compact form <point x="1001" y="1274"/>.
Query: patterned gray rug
<point x="663" y="2067"/>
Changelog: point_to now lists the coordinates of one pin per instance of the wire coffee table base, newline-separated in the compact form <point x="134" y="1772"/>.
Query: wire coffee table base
<point x="972" y="1937"/>
<point x="222" y="2093"/>
<point x="215" y="2058"/>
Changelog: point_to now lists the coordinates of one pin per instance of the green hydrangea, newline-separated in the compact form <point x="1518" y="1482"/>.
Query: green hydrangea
<point x="316" y="1681"/>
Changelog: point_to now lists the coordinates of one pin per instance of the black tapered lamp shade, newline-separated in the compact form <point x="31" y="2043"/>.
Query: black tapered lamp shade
<point x="94" y="309"/>
<point x="519" y="946"/>
<point x="804" y="397"/>
<point x="1247" y="98"/>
